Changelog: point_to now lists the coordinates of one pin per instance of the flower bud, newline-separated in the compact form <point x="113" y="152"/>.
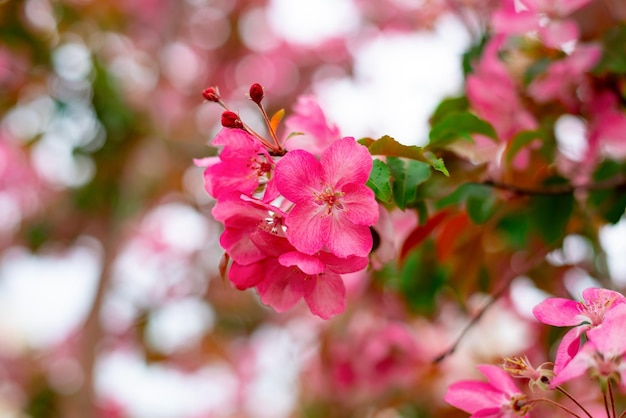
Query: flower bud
<point x="256" y="93"/>
<point x="211" y="94"/>
<point x="231" y="120"/>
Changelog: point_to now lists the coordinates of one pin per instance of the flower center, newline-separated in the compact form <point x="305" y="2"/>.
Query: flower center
<point x="259" y="166"/>
<point x="330" y="198"/>
<point x="595" y="310"/>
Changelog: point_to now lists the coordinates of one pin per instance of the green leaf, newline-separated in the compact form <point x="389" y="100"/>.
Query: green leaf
<point x="407" y="175"/>
<point x="459" y="125"/>
<point x="610" y="203"/>
<point x="447" y="106"/>
<point x="522" y="139"/>
<point x="389" y="147"/>
<point x="550" y="215"/>
<point x="379" y="181"/>
<point x="479" y="199"/>
<point x="614" y="51"/>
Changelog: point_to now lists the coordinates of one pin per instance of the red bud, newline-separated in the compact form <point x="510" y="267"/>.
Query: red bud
<point x="256" y="93"/>
<point x="231" y="120"/>
<point x="211" y="94"/>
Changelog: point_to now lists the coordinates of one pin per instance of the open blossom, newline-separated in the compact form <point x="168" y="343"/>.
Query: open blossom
<point x="286" y="275"/>
<point x="244" y="165"/>
<point x="603" y="353"/>
<point x="333" y="207"/>
<point x="242" y="217"/>
<point x="497" y="398"/>
<point x="583" y="316"/>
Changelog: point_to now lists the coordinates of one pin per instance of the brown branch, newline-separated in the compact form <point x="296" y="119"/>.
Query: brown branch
<point x="618" y="182"/>
<point x="510" y="276"/>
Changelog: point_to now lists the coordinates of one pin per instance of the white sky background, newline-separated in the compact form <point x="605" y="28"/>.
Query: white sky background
<point x="398" y="81"/>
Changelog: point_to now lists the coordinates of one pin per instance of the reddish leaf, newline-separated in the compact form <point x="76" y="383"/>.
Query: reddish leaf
<point x="449" y="234"/>
<point x="421" y="232"/>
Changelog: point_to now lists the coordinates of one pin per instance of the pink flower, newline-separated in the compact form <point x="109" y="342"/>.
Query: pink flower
<point x="285" y="276"/>
<point x="333" y="208"/>
<point x="583" y="316"/>
<point x="497" y="398"/>
<point x="244" y="165"/>
<point x="492" y="93"/>
<point x="242" y="217"/>
<point x="310" y="121"/>
<point x="563" y="77"/>
<point x="603" y="353"/>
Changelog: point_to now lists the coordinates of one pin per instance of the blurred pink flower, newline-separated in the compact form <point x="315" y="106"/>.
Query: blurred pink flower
<point x="497" y="398"/>
<point x="492" y="93"/>
<point x="317" y="133"/>
<point x="583" y="316"/>
<point x="333" y="207"/>
<point x="563" y="77"/>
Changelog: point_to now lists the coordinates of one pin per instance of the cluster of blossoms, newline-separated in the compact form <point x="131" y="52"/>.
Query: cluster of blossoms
<point x="593" y="349"/>
<point x="296" y="214"/>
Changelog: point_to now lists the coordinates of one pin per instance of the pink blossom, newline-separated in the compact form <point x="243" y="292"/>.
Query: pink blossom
<point x="607" y="125"/>
<point x="317" y="133"/>
<point x="244" y="165"/>
<point x="333" y="208"/>
<point x="241" y="217"/>
<point x="286" y="275"/>
<point x="563" y="77"/>
<point x="497" y="398"/>
<point x="602" y="354"/>
<point x="583" y="316"/>
<point x="492" y="92"/>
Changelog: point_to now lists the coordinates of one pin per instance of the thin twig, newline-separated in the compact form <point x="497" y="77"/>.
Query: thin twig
<point x="566" y="393"/>
<point x="494" y="298"/>
<point x="617" y="182"/>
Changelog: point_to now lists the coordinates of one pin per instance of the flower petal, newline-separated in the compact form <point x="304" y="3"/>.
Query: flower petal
<point x="360" y="204"/>
<point x="308" y="226"/>
<point x="328" y="297"/>
<point x="499" y="379"/>
<point x="558" y="312"/>
<point x="568" y="347"/>
<point x="307" y="263"/>
<point x="473" y="396"/>
<point x="346" y="239"/>
<point x="245" y="276"/>
<point x="281" y="287"/>
<point x="298" y="176"/>
<point x="346" y="161"/>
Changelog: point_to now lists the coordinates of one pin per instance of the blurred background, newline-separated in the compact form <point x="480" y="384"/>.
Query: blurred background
<point x="111" y="301"/>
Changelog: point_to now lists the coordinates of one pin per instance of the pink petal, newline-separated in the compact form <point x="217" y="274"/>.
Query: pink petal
<point x="499" y="379"/>
<point x="308" y="226"/>
<point x="557" y="33"/>
<point x="298" y="176"/>
<point x="576" y="367"/>
<point x="281" y="287"/>
<point x="327" y="298"/>
<point x="307" y="263"/>
<point x="610" y="336"/>
<point x="235" y="139"/>
<point x="346" y="161"/>
<point x="558" y="312"/>
<point x="239" y="247"/>
<point x="474" y="396"/>
<point x="245" y="276"/>
<point x="343" y="265"/>
<point x="346" y="239"/>
<point x="309" y="119"/>
<point x="271" y="244"/>
<point x="360" y="204"/>
<point x="568" y="347"/>
<point x="608" y="297"/>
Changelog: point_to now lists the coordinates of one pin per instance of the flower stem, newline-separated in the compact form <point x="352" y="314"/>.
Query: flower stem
<point x="612" y="399"/>
<point x="558" y="405"/>
<point x="606" y="404"/>
<point x="566" y="393"/>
